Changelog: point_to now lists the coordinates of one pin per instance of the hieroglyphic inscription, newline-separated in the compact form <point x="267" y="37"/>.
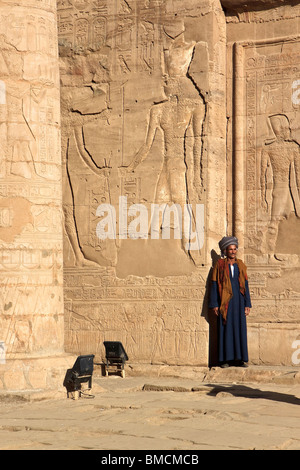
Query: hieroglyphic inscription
<point x="155" y="319"/>
<point x="128" y="28"/>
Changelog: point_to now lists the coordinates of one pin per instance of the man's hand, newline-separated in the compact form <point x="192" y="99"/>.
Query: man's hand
<point x="216" y="311"/>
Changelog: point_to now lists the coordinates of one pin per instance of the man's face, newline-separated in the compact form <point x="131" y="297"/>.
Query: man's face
<point x="231" y="251"/>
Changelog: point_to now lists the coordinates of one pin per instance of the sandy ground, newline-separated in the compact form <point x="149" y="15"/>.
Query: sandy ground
<point x="158" y="413"/>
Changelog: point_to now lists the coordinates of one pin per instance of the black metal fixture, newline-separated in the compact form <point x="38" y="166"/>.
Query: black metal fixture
<point x="81" y="373"/>
<point x="115" y="356"/>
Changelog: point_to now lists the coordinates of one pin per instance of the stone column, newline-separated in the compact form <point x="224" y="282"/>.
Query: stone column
<point x="31" y="263"/>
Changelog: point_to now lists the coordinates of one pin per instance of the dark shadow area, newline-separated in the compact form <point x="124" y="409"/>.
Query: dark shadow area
<point x="238" y="6"/>
<point x="210" y="317"/>
<point x="68" y="381"/>
<point x="101" y="367"/>
<point x="254" y="393"/>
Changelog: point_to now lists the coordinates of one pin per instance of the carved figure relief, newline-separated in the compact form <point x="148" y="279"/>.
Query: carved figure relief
<point x="180" y="118"/>
<point x="21" y="150"/>
<point x="174" y="116"/>
<point x="100" y="146"/>
<point x="283" y="158"/>
<point x="272" y="165"/>
<point x="29" y="114"/>
<point x="133" y="127"/>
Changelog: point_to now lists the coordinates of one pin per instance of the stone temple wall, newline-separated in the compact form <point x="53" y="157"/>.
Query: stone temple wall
<point x="191" y="107"/>
<point x="144" y="118"/>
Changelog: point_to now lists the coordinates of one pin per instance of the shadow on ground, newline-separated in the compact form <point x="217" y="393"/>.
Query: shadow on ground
<point x="254" y="393"/>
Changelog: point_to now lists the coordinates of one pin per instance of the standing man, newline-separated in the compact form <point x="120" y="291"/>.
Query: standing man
<point x="230" y="301"/>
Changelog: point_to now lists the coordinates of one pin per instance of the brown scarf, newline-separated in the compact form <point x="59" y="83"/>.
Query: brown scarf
<point x="222" y="277"/>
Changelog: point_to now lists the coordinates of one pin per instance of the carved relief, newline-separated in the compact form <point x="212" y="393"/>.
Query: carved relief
<point x="266" y="158"/>
<point x="82" y="26"/>
<point x="30" y="174"/>
<point x="141" y="313"/>
<point x="104" y="109"/>
<point x="143" y="119"/>
<point x="180" y="118"/>
<point x="272" y="145"/>
<point x="282" y="158"/>
<point x="133" y="127"/>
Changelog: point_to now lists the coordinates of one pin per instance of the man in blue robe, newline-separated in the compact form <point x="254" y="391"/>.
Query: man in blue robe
<point x="230" y="301"/>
